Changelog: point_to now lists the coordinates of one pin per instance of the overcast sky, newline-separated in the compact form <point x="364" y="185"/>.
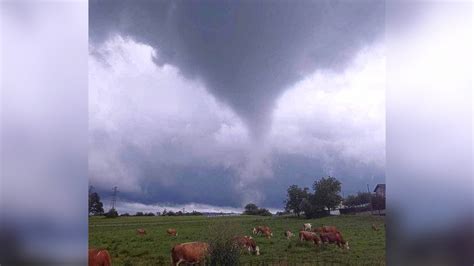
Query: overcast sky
<point x="213" y="105"/>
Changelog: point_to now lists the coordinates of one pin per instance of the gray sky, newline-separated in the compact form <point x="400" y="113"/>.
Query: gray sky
<point x="223" y="103"/>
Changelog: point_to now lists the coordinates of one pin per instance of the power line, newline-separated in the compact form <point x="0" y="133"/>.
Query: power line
<point x="114" y="196"/>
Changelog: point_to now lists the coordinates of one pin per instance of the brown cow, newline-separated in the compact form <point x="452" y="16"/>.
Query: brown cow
<point x="288" y="234"/>
<point x="191" y="252"/>
<point x="264" y="230"/>
<point x="99" y="257"/>
<point x="172" y="232"/>
<point x="334" y="237"/>
<point x="374" y="227"/>
<point x="325" y="229"/>
<point x="141" y="232"/>
<point x="267" y="232"/>
<point x="310" y="236"/>
<point x="247" y="242"/>
<point x="257" y="230"/>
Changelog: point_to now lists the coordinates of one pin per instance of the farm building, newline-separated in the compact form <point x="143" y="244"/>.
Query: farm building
<point x="380" y="190"/>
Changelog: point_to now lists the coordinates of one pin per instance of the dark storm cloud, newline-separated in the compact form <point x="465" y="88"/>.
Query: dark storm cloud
<point x="192" y="183"/>
<point x="246" y="53"/>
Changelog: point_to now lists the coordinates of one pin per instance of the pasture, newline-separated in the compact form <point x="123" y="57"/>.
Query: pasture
<point x="118" y="235"/>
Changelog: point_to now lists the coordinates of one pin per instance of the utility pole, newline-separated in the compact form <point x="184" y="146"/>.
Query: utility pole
<point x="368" y="191"/>
<point x="114" y="196"/>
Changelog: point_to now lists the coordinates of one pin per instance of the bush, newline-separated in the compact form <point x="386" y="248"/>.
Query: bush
<point x="125" y="214"/>
<point x="222" y="249"/>
<point x="252" y="209"/>
<point x="264" y="212"/>
<point x="139" y="214"/>
<point x="111" y="214"/>
<point x="357" y="200"/>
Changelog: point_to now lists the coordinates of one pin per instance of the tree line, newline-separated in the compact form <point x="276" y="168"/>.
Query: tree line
<point x="96" y="208"/>
<point x="324" y="197"/>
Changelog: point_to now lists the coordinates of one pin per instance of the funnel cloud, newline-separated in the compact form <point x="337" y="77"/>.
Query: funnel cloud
<point x="247" y="53"/>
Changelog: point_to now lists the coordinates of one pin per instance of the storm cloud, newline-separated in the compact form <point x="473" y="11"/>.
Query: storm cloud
<point x="241" y="99"/>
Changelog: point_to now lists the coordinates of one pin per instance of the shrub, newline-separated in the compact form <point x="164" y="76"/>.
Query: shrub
<point x="111" y="214"/>
<point x="252" y="209"/>
<point x="264" y="212"/>
<point x="222" y="249"/>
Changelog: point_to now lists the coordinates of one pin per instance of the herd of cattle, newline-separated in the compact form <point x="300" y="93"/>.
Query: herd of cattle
<point x="196" y="252"/>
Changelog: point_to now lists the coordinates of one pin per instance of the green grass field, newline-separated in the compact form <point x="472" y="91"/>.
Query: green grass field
<point x="367" y="247"/>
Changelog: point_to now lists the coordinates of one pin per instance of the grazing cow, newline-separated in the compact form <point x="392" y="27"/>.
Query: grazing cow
<point x="288" y="234"/>
<point x="264" y="230"/>
<point x="307" y="227"/>
<point x="172" y="232"/>
<point x="99" y="257"/>
<point x="267" y="232"/>
<point x="334" y="237"/>
<point x="374" y="227"/>
<point x="325" y="229"/>
<point x="310" y="236"/>
<point x="247" y="242"/>
<point x="189" y="253"/>
<point x="257" y="230"/>
<point x="141" y="232"/>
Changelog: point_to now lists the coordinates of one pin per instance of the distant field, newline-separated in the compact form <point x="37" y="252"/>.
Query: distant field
<point x="367" y="247"/>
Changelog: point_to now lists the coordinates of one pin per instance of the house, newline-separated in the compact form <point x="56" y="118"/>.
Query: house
<point x="380" y="190"/>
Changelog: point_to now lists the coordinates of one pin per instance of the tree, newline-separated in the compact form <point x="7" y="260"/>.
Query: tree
<point x="306" y="207"/>
<point x="112" y="213"/>
<point x="95" y="205"/>
<point x="264" y="212"/>
<point x="295" y="196"/>
<point x="326" y="193"/>
<point x="351" y="201"/>
<point x="251" y="209"/>
<point x="359" y="199"/>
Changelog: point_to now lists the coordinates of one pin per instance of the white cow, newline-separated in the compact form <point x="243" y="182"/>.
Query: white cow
<point x="307" y="227"/>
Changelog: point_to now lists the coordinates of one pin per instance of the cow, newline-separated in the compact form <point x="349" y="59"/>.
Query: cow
<point x="172" y="232"/>
<point x="99" y="257"/>
<point x="141" y="232"/>
<point x="257" y="230"/>
<point x="264" y="230"/>
<point x="307" y="227"/>
<point x="189" y="253"/>
<point x="288" y="234"/>
<point x="267" y="232"/>
<point x="325" y="229"/>
<point x="374" y="227"/>
<point x="310" y="236"/>
<point x="334" y="237"/>
<point x="247" y="242"/>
